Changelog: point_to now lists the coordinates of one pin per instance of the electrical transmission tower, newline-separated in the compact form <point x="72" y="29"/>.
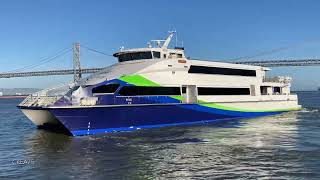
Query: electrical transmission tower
<point x="76" y="62"/>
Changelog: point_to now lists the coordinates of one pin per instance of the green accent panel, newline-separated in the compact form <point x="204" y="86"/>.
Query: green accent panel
<point x="138" y="80"/>
<point x="218" y="106"/>
<point x="178" y="97"/>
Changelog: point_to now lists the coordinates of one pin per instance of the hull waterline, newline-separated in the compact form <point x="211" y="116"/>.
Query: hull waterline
<point x="97" y="120"/>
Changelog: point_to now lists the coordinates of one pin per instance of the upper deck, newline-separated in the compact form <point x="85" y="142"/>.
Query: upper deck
<point x="157" y="49"/>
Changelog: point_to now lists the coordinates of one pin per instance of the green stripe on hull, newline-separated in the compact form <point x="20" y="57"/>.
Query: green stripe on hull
<point x="218" y="106"/>
<point x="139" y="80"/>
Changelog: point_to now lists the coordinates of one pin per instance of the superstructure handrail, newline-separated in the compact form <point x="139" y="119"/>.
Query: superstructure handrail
<point x="39" y="100"/>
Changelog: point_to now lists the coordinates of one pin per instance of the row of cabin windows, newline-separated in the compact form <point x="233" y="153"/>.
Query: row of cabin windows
<point x="148" y="91"/>
<point x="145" y="55"/>
<point x="223" y="91"/>
<point x="221" y="71"/>
<point x="138" y="56"/>
<point x="166" y="91"/>
<point x="105" y="89"/>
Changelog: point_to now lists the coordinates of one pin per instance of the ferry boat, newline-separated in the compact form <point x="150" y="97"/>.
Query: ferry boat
<point x="158" y="86"/>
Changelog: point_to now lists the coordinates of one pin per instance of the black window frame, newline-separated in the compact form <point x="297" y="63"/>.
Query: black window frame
<point x="276" y="90"/>
<point x="156" y="54"/>
<point x="101" y="89"/>
<point x="222" y="91"/>
<point x="221" y="71"/>
<point x="149" y="91"/>
<point x="132" y="56"/>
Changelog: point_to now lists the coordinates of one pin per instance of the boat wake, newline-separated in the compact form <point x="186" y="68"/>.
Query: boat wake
<point x="309" y="110"/>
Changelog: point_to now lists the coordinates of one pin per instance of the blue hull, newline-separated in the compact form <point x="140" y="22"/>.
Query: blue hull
<point x="95" y="120"/>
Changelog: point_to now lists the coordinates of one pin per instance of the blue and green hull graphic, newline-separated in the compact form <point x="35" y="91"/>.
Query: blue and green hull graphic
<point x="146" y="112"/>
<point x="84" y="121"/>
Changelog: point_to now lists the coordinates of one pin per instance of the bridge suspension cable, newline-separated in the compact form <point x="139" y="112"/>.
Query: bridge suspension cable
<point x="96" y="51"/>
<point x="77" y="70"/>
<point x="43" y="61"/>
<point x="272" y="51"/>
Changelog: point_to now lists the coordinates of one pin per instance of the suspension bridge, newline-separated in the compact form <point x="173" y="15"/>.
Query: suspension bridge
<point x="77" y="71"/>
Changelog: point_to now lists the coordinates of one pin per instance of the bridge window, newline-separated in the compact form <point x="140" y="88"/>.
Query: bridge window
<point x="105" y="89"/>
<point x="156" y="54"/>
<point x="221" y="71"/>
<point x="172" y="55"/>
<point x="149" y="91"/>
<point x="135" y="56"/>
<point x="223" y="91"/>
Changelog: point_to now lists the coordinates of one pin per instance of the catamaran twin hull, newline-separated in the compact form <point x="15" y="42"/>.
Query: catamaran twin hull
<point x="112" y="118"/>
<point x="127" y="113"/>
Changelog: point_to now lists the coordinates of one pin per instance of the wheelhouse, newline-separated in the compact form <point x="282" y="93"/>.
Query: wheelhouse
<point x="139" y="55"/>
<point x="159" y="50"/>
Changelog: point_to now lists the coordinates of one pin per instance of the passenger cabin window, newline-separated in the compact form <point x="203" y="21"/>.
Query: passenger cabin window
<point x="264" y="90"/>
<point x="135" y="56"/>
<point x="149" y="91"/>
<point x="156" y="54"/>
<point x="221" y="71"/>
<point x="105" y="89"/>
<point x="276" y="90"/>
<point x="206" y="91"/>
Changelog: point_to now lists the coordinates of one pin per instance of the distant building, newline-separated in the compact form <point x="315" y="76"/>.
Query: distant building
<point x="1" y="94"/>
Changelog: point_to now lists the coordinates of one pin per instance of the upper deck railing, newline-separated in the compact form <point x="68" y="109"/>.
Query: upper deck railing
<point x="277" y="79"/>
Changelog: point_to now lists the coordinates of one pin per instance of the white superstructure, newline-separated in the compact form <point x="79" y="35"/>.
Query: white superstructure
<point x="170" y="67"/>
<point x="217" y="85"/>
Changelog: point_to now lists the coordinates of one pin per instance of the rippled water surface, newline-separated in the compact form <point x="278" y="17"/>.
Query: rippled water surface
<point x="286" y="146"/>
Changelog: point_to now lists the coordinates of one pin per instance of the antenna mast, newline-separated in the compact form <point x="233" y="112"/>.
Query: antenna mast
<point x="167" y="41"/>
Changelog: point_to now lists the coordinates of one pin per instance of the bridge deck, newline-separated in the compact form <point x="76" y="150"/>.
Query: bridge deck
<point x="48" y="73"/>
<point x="273" y="63"/>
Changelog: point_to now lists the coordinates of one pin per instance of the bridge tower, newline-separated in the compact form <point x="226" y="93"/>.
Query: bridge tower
<point x="76" y="62"/>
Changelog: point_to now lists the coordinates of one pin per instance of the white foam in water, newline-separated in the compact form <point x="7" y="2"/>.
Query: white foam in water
<point x="305" y="110"/>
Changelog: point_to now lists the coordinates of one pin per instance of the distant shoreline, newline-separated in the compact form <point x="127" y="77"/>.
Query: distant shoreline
<point x="13" y="97"/>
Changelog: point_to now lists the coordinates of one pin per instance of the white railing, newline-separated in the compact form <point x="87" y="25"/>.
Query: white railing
<point x="54" y="91"/>
<point x="39" y="101"/>
<point x="278" y="79"/>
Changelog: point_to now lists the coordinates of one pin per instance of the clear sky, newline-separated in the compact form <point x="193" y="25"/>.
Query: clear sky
<point x="213" y="29"/>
